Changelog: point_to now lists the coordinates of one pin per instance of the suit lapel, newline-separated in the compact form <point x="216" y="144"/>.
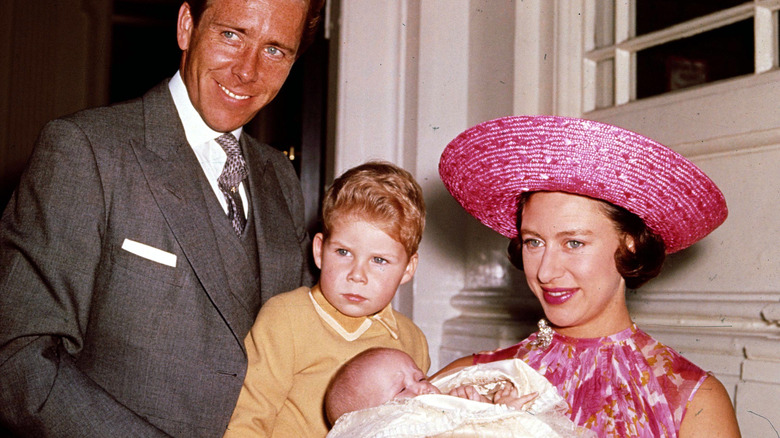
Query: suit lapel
<point x="173" y="174"/>
<point x="277" y="249"/>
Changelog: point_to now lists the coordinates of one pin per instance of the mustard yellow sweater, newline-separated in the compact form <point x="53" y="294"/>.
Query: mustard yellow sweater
<point x="296" y="344"/>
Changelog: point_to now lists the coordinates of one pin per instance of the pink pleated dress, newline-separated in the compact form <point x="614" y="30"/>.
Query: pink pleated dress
<point x="623" y="385"/>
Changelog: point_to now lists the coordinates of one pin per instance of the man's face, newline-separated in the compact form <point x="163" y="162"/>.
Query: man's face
<point x="238" y="57"/>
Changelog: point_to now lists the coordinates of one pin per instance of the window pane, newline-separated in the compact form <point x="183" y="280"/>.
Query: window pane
<point x="711" y="56"/>
<point x="652" y="15"/>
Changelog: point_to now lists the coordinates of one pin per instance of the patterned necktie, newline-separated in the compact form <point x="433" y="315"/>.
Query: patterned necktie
<point x="232" y="174"/>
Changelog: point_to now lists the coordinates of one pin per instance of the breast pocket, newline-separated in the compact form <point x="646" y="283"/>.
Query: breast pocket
<point x="149" y="262"/>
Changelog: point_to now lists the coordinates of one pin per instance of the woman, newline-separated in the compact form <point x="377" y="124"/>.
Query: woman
<point x="591" y="209"/>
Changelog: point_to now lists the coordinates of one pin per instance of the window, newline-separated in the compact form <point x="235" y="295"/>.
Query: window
<point x="636" y="49"/>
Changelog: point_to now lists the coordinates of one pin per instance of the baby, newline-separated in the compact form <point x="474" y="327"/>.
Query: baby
<point x="378" y="375"/>
<point x="381" y="392"/>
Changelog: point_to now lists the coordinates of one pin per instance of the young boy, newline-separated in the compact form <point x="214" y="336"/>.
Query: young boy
<point x="373" y="218"/>
<point x="380" y="393"/>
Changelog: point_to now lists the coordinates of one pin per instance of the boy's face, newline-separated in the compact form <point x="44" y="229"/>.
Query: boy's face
<point x="394" y="376"/>
<point x="361" y="266"/>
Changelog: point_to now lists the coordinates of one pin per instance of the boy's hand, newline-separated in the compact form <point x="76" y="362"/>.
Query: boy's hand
<point x="508" y="396"/>
<point x="469" y="393"/>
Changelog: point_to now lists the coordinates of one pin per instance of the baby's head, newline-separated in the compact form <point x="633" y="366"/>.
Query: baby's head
<point x="373" y="377"/>
<point x="373" y="217"/>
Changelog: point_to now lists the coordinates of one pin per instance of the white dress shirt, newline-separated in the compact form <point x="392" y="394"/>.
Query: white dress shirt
<point x="201" y="138"/>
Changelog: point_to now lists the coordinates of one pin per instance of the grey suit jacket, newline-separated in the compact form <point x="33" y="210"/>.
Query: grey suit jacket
<point x="98" y="341"/>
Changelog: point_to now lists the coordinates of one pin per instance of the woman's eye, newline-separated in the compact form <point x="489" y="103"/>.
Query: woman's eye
<point x="532" y="243"/>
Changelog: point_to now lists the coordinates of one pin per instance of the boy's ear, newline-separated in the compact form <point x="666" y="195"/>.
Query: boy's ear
<point x="316" y="249"/>
<point x="411" y="267"/>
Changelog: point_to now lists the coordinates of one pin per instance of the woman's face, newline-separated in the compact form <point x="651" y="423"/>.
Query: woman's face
<point x="569" y="262"/>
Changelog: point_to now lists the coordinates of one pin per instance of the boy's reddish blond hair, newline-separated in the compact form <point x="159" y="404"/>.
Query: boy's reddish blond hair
<point x="381" y="193"/>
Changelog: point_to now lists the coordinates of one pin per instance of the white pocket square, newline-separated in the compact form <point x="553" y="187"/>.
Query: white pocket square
<point x="149" y="252"/>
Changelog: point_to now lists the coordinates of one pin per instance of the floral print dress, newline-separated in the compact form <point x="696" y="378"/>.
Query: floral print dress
<point x="623" y="385"/>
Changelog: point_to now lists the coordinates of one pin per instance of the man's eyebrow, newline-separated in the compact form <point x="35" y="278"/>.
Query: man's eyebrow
<point x="283" y="46"/>
<point x="217" y="25"/>
<point x="232" y="26"/>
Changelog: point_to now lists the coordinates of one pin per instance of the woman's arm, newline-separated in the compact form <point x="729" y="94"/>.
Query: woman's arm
<point x="710" y="413"/>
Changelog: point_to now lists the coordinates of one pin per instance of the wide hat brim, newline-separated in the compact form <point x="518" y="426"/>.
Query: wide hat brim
<point x="488" y="166"/>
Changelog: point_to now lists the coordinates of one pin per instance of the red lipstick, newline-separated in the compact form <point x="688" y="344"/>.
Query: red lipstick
<point x="558" y="295"/>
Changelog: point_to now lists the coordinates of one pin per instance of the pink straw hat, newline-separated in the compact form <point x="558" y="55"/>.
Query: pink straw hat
<point x="489" y="165"/>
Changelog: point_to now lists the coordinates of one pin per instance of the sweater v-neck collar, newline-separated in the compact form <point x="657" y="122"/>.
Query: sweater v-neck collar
<point x="349" y="327"/>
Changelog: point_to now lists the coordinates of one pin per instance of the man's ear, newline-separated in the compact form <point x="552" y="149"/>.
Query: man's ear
<point x="184" y="26"/>
<point x="316" y="249"/>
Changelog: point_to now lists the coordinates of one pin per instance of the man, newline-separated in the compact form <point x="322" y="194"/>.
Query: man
<point x="132" y="265"/>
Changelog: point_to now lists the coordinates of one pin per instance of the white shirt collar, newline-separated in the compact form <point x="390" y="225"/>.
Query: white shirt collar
<point x="196" y="130"/>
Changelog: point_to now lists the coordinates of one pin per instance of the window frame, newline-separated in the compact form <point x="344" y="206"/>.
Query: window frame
<point x="619" y="87"/>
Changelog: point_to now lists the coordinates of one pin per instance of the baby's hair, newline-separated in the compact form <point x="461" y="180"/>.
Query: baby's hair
<point x="346" y="391"/>
<point x="381" y="193"/>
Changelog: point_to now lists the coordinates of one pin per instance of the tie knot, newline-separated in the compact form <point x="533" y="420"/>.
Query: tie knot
<point x="234" y="170"/>
<point x="229" y="144"/>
